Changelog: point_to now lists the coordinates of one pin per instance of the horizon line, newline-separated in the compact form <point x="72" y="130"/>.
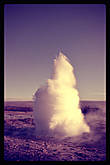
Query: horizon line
<point x="14" y="99"/>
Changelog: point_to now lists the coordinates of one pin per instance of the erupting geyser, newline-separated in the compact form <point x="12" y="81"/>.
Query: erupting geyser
<point x="56" y="105"/>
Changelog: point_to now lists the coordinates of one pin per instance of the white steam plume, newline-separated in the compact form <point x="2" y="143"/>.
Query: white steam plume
<point x="56" y="105"/>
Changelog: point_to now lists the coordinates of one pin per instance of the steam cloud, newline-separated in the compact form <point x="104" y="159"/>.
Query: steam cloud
<point x="56" y="105"/>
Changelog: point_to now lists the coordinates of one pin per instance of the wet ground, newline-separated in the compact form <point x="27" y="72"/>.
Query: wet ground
<point x="21" y="143"/>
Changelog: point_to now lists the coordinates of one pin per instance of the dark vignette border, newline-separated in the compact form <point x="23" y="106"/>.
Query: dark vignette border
<point x="2" y="4"/>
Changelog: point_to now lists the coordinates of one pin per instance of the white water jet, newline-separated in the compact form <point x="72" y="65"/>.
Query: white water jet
<point x="56" y="105"/>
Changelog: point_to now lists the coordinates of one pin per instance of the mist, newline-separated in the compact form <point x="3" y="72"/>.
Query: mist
<point x="56" y="104"/>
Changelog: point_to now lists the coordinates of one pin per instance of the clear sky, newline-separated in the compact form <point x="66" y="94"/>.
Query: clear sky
<point x="34" y="34"/>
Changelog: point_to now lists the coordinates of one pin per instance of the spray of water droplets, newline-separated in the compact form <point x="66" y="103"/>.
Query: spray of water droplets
<point x="56" y="104"/>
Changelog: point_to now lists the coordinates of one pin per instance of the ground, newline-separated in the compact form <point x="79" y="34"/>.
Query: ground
<point x="22" y="144"/>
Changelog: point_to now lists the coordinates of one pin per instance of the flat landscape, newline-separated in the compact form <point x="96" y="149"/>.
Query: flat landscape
<point x="22" y="144"/>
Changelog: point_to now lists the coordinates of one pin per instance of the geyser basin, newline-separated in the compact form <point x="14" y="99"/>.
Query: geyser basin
<point x="56" y="105"/>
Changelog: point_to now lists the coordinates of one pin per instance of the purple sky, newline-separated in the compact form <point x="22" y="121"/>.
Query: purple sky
<point x="34" y="34"/>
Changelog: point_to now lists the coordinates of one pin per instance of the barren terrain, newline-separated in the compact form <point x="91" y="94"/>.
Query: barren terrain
<point x="22" y="144"/>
